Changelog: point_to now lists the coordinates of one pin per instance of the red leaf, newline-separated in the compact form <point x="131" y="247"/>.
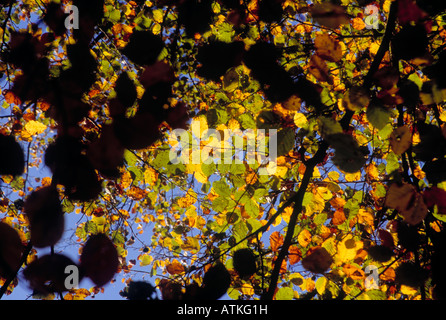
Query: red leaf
<point x="408" y="11"/>
<point x="386" y="238"/>
<point x="435" y="196"/>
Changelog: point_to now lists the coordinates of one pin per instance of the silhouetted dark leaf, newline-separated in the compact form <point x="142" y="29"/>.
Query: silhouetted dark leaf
<point x="139" y="290"/>
<point x="216" y="282"/>
<point x="244" y="262"/>
<point x="72" y="169"/>
<point x="137" y="132"/>
<point x="435" y="170"/>
<point x="195" y="15"/>
<point x="45" y="215"/>
<point x="217" y="57"/>
<point x="411" y="42"/>
<point x="125" y="90"/>
<point x="410" y="274"/>
<point x="432" y="7"/>
<point x="106" y="153"/>
<point x="408" y="236"/>
<point x="12" y="161"/>
<point x="47" y="273"/>
<point x="270" y="10"/>
<point x="143" y="47"/>
<point x="380" y="253"/>
<point x="11" y="249"/>
<point x="55" y="18"/>
<point x="99" y="259"/>
<point x="432" y="144"/>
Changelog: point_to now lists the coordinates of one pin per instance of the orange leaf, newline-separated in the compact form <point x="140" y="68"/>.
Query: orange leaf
<point x="276" y="241"/>
<point x="294" y="255"/>
<point x="353" y="272"/>
<point x="175" y="267"/>
<point x="338" y="217"/>
<point x="358" y="23"/>
<point x="337" y="203"/>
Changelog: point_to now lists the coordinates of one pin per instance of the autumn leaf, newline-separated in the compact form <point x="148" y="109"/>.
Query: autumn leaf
<point x="304" y="238"/>
<point x="294" y="255"/>
<point x="329" y="15"/>
<point x="175" y="267"/>
<point x="400" y="140"/>
<point x="328" y="48"/>
<point x="276" y="240"/>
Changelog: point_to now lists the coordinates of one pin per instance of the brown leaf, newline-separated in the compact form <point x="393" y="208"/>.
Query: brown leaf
<point x="11" y="249"/>
<point x="175" y="267"/>
<point x="47" y="273"/>
<point x="408" y="202"/>
<point x="45" y="215"/>
<point x="329" y="15"/>
<point x="328" y="48"/>
<point x="338" y="217"/>
<point x="319" y="69"/>
<point x="158" y="72"/>
<point x="400" y="140"/>
<point x="318" y="261"/>
<point x="399" y="196"/>
<point x="99" y="259"/>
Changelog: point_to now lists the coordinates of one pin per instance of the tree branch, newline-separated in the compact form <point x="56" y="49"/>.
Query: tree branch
<point x="11" y="278"/>
<point x="297" y="199"/>
<point x="383" y="48"/>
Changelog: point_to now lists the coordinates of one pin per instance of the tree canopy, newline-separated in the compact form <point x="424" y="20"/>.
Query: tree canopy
<point x="119" y="113"/>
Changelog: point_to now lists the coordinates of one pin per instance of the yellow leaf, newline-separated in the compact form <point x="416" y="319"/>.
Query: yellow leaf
<point x="150" y="176"/>
<point x="126" y="180"/>
<point x="346" y="249"/>
<point x="158" y="15"/>
<point x="247" y="289"/>
<point x="32" y="128"/>
<point x="366" y="218"/>
<point x="358" y="23"/>
<point x="351" y="177"/>
<point x="189" y="199"/>
<point x="304" y="238"/>
<point x="408" y="290"/>
<point x="334" y="175"/>
<point x="300" y="120"/>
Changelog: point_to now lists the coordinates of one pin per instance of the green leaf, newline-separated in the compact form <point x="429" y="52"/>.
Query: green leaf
<point x="285" y="141"/>
<point x="240" y="230"/>
<point x="392" y="163"/>
<point x="208" y="169"/>
<point x="219" y="204"/>
<point x="378" y="116"/>
<point x="251" y="208"/>
<point x="221" y="188"/>
<point x="285" y="293"/>
<point x="247" y="121"/>
<point x="376" y="294"/>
